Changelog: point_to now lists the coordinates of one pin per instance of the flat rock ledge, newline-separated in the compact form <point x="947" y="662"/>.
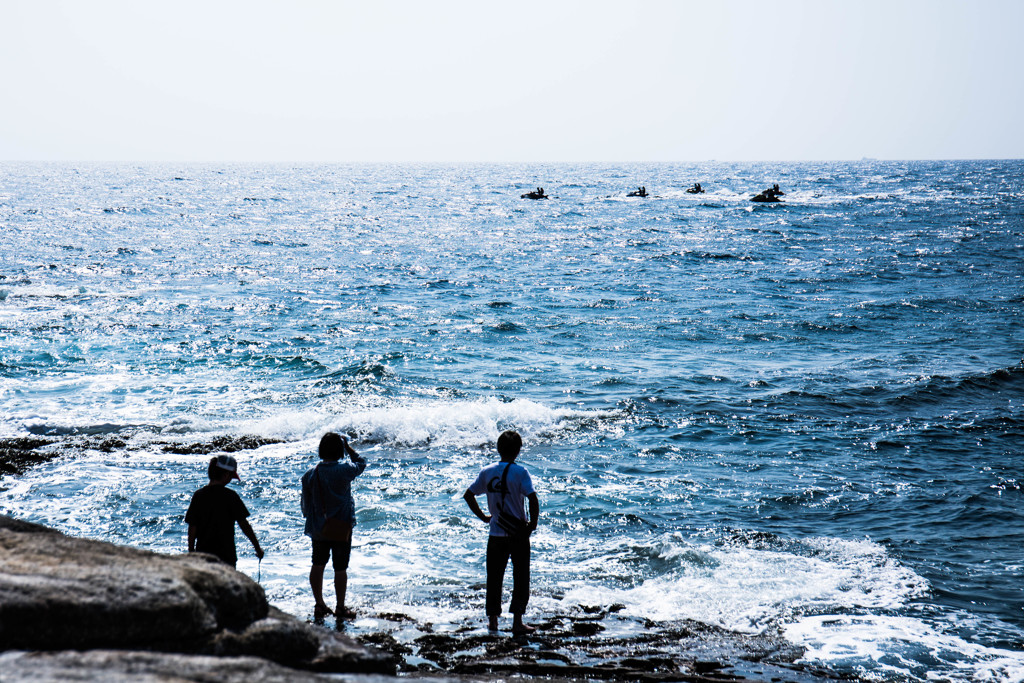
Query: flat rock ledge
<point x="593" y="644"/>
<point x="123" y="610"/>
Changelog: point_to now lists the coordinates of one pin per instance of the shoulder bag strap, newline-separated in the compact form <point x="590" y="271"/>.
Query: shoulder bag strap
<point x="504" y="484"/>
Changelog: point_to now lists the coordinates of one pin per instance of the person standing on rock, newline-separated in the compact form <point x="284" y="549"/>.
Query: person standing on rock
<point x="213" y="512"/>
<point x="507" y="485"/>
<point x="330" y="515"/>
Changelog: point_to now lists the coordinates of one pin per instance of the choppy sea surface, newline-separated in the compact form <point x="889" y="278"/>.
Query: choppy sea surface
<point x="804" y="418"/>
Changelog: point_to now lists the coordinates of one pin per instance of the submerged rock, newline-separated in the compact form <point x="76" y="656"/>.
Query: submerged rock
<point x="18" y="455"/>
<point x="220" y="444"/>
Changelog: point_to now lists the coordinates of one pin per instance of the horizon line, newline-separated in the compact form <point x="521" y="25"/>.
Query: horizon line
<point x="496" y="163"/>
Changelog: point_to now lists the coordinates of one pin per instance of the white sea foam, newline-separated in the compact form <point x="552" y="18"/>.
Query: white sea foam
<point x="899" y="647"/>
<point x="421" y="422"/>
<point x="748" y="589"/>
<point x="409" y="423"/>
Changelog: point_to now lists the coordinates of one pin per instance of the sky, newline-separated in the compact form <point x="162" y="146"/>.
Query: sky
<point x="481" y="81"/>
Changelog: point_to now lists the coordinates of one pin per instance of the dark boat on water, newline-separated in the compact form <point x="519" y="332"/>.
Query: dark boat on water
<point x="772" y="194"/>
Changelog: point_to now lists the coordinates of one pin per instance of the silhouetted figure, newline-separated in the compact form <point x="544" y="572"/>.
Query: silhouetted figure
<point x="507" y="486"/>
<point x="534" y="194"/>
<point x="638" y="192"/>
<point x="696" y="189"/>
<point x="330" y="515"/>
<point x="213" y="512"/>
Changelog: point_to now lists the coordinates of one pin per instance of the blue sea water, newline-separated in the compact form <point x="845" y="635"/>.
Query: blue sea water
<point x="804" y="418"/>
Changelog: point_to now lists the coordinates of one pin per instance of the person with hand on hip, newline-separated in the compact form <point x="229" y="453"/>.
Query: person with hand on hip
<point x="508" y="486"/>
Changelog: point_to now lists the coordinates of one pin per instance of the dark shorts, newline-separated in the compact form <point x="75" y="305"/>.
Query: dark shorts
<point x="339" y="551"/>
<point x="226" y="554"/>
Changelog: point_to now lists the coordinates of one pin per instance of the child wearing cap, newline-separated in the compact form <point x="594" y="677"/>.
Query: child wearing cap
<point x="213" y="512"/>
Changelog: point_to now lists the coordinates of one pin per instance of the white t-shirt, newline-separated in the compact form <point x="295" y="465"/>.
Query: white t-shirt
<point x="518" y="485"/>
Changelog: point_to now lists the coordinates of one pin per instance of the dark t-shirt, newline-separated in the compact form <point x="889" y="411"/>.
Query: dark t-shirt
<point x="214" y="510"/>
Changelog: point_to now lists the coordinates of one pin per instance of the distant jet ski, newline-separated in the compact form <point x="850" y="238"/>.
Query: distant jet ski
<point x="696" y="189"/>
<point x="772" y="194"/>
<point x="638" y="192"/>
<point x="535" y="194"/>
<point x="766" y="196"/>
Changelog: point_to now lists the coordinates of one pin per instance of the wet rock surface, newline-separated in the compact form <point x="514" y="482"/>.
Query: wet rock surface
<point x="595" y="644"/>
<point x="60" y="593"/>
<point x="219" y="444"/>
<point x="18" y="455"/>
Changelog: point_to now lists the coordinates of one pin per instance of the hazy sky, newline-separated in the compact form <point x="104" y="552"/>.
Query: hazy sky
<point x="149" y="80"/>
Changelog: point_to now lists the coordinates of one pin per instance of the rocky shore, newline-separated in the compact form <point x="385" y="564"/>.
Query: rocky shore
<point x="79" y="609"/>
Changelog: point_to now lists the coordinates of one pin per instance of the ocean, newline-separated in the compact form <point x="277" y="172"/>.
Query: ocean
<point x="803" y="418"/>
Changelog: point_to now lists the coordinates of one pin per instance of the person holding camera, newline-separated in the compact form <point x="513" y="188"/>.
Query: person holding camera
<point x="330" y="515"/>
<point x="507" y="486"/>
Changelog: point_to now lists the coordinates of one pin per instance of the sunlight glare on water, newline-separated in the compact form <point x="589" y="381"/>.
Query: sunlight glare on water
<point x="804" y="416"/>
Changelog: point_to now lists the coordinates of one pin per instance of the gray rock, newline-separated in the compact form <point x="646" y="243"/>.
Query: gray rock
<point x="280" y="638"/>
<point x="340" y="653"/>
<point x="145" y="667"/>
<point x="284" y="639"/>
<point x="60" y="592"/>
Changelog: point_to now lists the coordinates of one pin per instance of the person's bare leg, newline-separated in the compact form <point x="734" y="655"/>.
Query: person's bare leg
<point x="518" y="627"/>
<point x="316" y="582"/>
<point x="492" y="623"/>
<point x="340" y="588"/>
